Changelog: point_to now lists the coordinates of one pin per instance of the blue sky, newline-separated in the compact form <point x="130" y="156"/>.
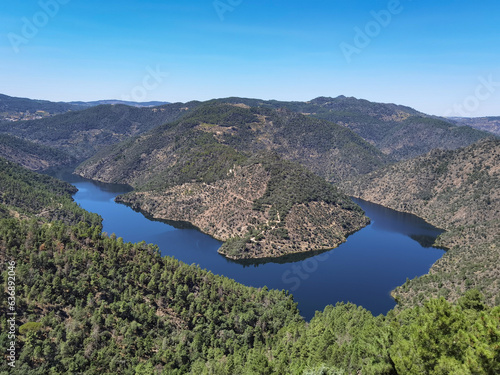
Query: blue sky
<point x="438" y="57"/>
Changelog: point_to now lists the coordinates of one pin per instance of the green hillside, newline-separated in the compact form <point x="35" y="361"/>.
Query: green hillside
<point x="327" y="149"/>
<point x="28" y="194"/>
<point x="82" y="133"/>
<point x="398" y="131"/>
<point x="32" y="155"/>
<point x="454" y="190"/>
<point x="89" y="303"/>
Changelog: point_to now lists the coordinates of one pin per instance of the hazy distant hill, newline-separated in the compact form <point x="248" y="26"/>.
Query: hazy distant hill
<point x="458" y="191"/>
<point x="81" y="133"/>
<point x="114" y="101"/>
<point x="487" y="124"/>
<point x="16" y="109"/>
<point x="399" y="131"/>
<point x="14" y="104"/>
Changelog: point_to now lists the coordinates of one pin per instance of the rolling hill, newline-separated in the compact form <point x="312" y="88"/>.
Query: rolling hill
<point x="232" y="171"/>
<point x="487" y="124"/>
<point x="454" y="190"/>
<point x="398" y="131"/>
<point x="32" y="155"/>
<point x="82" y="133"/>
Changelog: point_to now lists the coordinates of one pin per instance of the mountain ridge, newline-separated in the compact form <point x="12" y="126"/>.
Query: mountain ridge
<point x="454" y="190"/>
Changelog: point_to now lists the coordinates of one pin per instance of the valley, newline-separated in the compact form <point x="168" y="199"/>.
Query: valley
<point x="270" y="183"/>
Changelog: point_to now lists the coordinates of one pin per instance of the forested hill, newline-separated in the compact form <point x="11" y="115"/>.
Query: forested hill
<point x="455" y="190"/>
<point x="325" y="148"/>
<point x="222" y="169"/>
<point x="32" y="155"/>
<point x="487" y="124"/>
<point x="9" y="104"/>
<point x="262" y="207"/>
<point x="26" y="194"/>
<point x="89" y="303"/>
<point x="82" y="133"/>
<point x="399" y="131"/>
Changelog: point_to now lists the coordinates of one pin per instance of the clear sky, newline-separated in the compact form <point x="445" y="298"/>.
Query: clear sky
<point x="440" y="57"/>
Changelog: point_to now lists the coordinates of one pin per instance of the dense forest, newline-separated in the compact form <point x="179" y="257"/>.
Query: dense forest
<point x="26" y="194"/>
<point x="90" y="303"/>
<point x="32" y="155"/>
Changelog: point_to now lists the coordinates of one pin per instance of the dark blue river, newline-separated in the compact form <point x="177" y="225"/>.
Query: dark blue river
<point x="364" y="270"/>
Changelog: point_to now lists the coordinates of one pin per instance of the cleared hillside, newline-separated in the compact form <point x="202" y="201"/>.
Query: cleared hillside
<point x="263" y="208"/>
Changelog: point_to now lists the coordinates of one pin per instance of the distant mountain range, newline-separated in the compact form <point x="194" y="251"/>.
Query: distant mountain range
<point x="398" y="132"/>
<point x="114" y="101"/>
<point x="82" y="133"/>
<point x="487" y="124"/>
<point x="16" y="109"/>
